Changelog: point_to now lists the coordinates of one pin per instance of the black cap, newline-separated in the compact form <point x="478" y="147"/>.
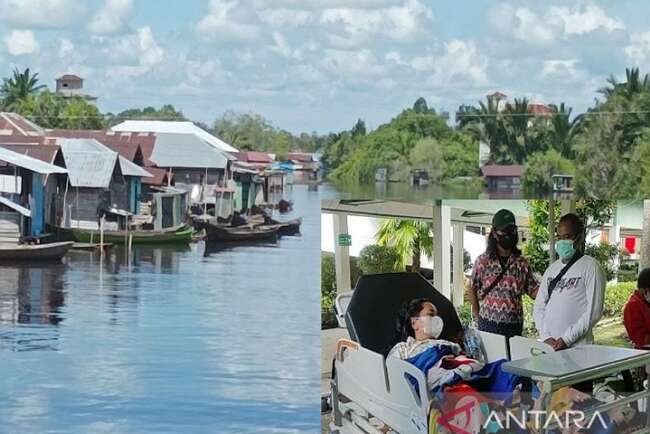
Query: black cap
<point x="643" y="281"/>
<point x="503" y="219"/>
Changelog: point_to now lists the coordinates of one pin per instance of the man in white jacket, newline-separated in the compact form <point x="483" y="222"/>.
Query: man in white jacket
<point x="568" y="306"/>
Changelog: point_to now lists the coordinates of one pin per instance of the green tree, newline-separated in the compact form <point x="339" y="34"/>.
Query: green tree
<point x="459" y="156"/>
<point x="50" y="110"/>
<point x="19" y="87"/>
<point x="165" y="113"/>
<point x="79" y="114"/>
<point x="420" y="106"/>
<point x="359" y="129"/>
<point x="485" y="125"/>
<point x="427" y="155"/>
<point x="633" y="85"/>
<point x="411" y="239"/>
<point x="593" y="212"/>
<point x="540" y="166"/>
<point x="639" y="168"/>
<point x="602" y="152"/>
<point x="375" y="259"/>
<point x="564" y="130"/>
<point x="389" y="146"/>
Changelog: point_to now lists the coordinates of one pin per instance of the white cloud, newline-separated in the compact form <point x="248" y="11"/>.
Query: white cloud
<point x="399" y="23"/>
<point x="638" y="51"/>
<point x="138" y="53"/>
<point x="579" y="21"/>
<point x="112" y="17"/>
<point x="287" y="17"/>
<point x="461" y="61"/>
<point x="20" y="42"/>
<point x="560" y="67"/>
<point x="150" y="52"/>
<point x="66" y="48"/>
<point x="353" y="64"/>
<point x="282" y="46"/>
<point x="229" y="20"/>
<point x="555" y="23"/>
<point x="326" y="4"/>
<point x="531" y="27"/>
<point x="41" y="13"/>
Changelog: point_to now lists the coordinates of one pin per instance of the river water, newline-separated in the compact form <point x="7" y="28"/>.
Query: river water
<point x="174" y="340"/>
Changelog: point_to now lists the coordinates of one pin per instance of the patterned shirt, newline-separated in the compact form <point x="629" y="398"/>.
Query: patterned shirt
<point x="503" y="304"/>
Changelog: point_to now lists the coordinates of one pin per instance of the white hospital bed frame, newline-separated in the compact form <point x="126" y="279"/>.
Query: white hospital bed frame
<point x="369" y="391"/>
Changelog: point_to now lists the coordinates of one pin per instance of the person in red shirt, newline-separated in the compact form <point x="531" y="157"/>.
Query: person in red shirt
<point x="636" y="315"/>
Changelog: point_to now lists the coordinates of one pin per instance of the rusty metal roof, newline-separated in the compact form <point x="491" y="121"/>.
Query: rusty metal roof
<point x="499" y="170"/>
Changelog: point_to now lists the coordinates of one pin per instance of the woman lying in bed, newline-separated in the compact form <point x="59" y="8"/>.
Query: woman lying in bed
<point x="448" y="370"/>
<point x="444" y="362"/>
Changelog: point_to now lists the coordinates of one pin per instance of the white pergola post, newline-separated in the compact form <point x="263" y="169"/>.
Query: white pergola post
<point x="568" y="206"/>
<point x="551" y="230"/>
<point x="615" y="236"/>
<point x="459" y="264"/>
<point x="441" y="249"/>
<point x="644" y="260"/>
<point x="341" y="254"/>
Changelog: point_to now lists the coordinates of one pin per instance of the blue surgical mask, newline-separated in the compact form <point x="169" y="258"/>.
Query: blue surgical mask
<point x="564" y="248"/>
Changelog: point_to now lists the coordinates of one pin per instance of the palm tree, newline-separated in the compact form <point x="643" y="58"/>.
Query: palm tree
<point x="632" y="86"/>
<point x="18" y="88"/>
<point x="564" y="130"/>
<point x="515" y="126"/>
<point x="411" y="238"/>
<point x="485" y="125"/>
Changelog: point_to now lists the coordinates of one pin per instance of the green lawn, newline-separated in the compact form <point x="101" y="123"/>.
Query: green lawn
<point x="612" y="335"/>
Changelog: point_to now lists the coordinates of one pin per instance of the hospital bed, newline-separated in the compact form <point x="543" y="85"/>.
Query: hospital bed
<point x="375" y="394"/>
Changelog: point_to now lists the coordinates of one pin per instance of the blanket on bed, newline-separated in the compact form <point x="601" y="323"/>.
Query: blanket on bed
<point x="442" y="368"/>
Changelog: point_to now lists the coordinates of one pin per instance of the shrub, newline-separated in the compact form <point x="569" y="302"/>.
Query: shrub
<point x="605" y="254"/>
<point x="376" y="259"/>
<point x="616" y="295"/>
<point x="628" y="271"/>
<point x="329" y="290"/>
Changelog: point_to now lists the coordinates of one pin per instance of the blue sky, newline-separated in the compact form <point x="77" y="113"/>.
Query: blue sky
<point x="318" y="65"/>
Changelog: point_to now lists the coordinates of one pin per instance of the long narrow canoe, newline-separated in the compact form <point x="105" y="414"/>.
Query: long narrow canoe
<point x="174" y="236"/>
<point x="36" y="252"/>
<point x="221" y="233"/>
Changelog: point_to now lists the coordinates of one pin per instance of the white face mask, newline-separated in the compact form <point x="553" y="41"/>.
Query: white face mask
<point x="432" y="326"/>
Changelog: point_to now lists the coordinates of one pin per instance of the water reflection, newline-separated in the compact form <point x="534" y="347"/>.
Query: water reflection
<point x="405" y="192"/>
<point x="165" y="339"/>
<point x="31" y="294"/>
<point x="214" y="248"/>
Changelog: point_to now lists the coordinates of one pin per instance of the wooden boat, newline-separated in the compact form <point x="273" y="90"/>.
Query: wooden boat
<point x="182" y="234"/>
<point x="221" y="233"/>
<point x="34" y="252"/>
<point x="290" y="227"/>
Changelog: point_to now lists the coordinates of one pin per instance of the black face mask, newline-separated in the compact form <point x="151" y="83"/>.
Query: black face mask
<point x="507" y="240"/>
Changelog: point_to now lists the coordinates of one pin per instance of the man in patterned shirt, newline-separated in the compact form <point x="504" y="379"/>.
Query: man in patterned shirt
<point x="500" y="278"/>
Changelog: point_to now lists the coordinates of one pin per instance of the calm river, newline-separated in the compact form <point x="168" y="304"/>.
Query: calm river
<point x="175" y="341"/>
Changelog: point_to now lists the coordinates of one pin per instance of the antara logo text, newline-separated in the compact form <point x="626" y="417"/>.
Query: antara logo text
<point x="467" y="418"/>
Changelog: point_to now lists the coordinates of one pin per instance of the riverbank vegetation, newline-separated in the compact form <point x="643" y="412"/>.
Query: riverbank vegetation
<point x="606" y="148"/>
